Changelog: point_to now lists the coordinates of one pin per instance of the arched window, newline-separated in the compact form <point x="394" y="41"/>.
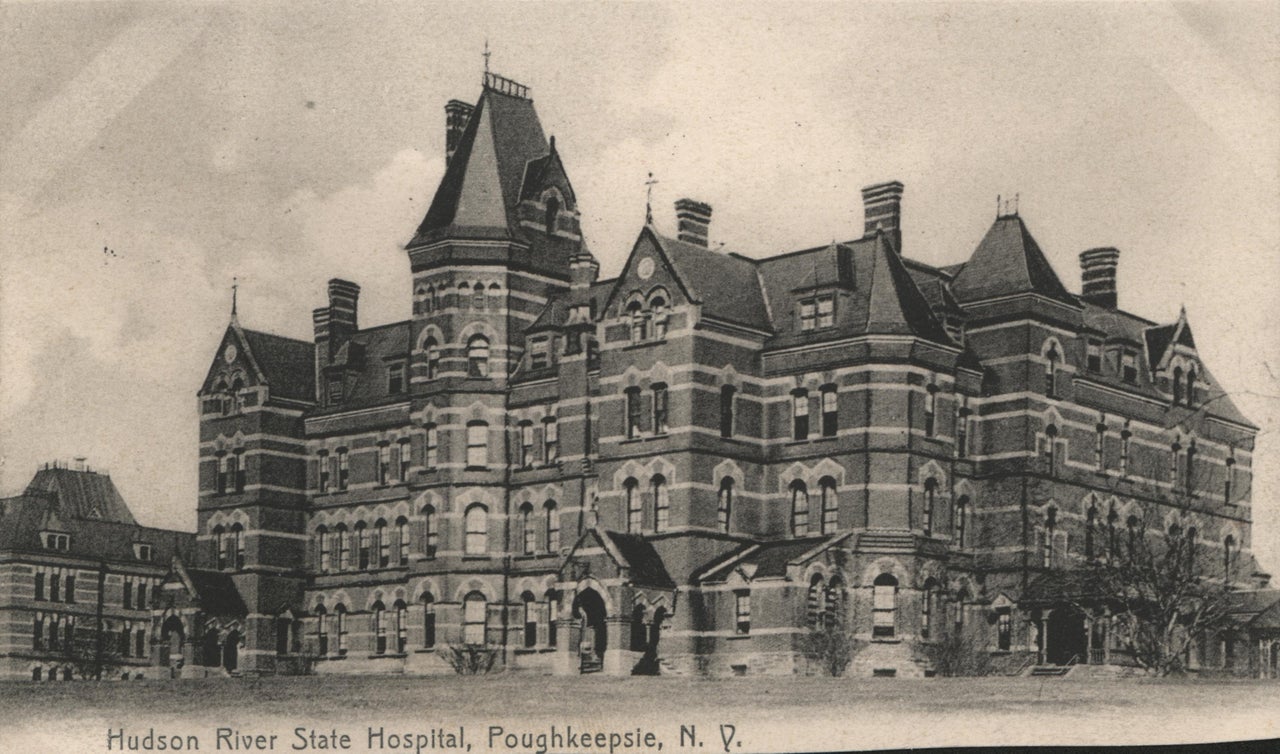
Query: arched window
<point x="477" y="445"/>
<point x="1131" y="524"/>
<point x="549" y="216"/>
<point x="474" y="619"/>
<point x="223" y="463"/>
<point x="633" y="412"/>
<point x="402" y="626"/>
<point x="432" y="349"/>
<point x="322" y="541"/>
<point x="1191" y="550"/>
<point x="830" y="411"/>
<point x="430" y="531"/>
<point x="477" y="530"/>
<point x="528" y="535"/>
<point x="799" y="509"/>
<point x="726" y="410"/>
<point x="930" y="410"/>
<point x="1052" y="357"/>
<point x="960" y="520"/>
<point x="477" y="296"/>
<point x="428" y="620"/>
<point x="659" y="308"/>
<point x="884" y="607"/>
<point x="928" y="603"/>
<point x="830" y="504"/>
<point x="639" y="324"/>
<point x="464" y="295"/>
<point x="1113" y="545"/>
<point x="530" y="619"/>
<point x="402" y="540"/>
<point x="1050" y="524"/>
<point x="635" y="513"/>
<point x="362" y="545"/>
<point x="1189" y="476"/>
<point x="220" y="547"/>
<point x="800" y="415"/>
<point x="1090" y="523"/>
<point x="660" y="425"/>
<point x="834" y="616"/>
<point x="340" y="537"/>
<point x="815" y="602"/>
<point x="1191" y="387"/>
<point x="322" y="631"/>
<point x="340" y="613"/>
<point x="379" y="620"/>
<point x="724" y="504"/>
<point x="237" y="544"/>
<point x="478" y="356"/>
<point x="1228" y="553"/>
<point x="661" y="504"/>
<point x="926" y="513"/>
<point x="384" y="543"/>
<point x="1177" y="385"/>
<point x="1051" y="448"/>
<point x="552" y="526"/>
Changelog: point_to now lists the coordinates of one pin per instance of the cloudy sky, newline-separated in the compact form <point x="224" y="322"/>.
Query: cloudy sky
<point x="149" y="153"/>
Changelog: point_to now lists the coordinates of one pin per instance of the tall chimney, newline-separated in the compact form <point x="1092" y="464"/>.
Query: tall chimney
<point x="343" y="296"/>
<point x="456" y="116"/>
<point x="693" y="219"/>
<point x="1098" y="276"/>
<point x="882" y="210"/>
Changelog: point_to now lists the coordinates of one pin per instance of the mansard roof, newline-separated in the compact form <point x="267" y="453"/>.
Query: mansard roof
<point x="81" y="494"/>
<point x="33" y="512"/>
<point x="1008" y="261"/>
<point x="481" y="186"/>
<point x="363" y="358"/>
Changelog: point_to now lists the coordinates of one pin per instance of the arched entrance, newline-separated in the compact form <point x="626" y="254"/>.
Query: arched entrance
<point x="231" y="651"/>
<point x="589" y="609"/>
<point x="211" y="649"/>
<point x="171" y="639"/>
<point x="1065" y="639"/>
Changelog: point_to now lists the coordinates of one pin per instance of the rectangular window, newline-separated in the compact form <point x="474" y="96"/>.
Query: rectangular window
<point x="384" y="464"/>
<point x="930" y="408"/>
<point x="530" y="624"/>
<point x="222" y="475"/>
<point x="402" y="460"/>
<point x="742" y="610"/>
<point x="660" y="409"/>
<point x="1093" y="358"/>
<point x="343" y="470"/>
<point x="800" y="415"/>
<point x="727" y="393"/>
<point x="1004" y="631"/>
<point x="55" y="586"/>
<point x="40" y="585"/>
<point x="477" y="445"/>
<point x="335" y="392"/>
<point x="526" y="444"/>
<point x="395" y="379"/>
<point x="962" y="433"/>
<point x="830" y="411"/>
<point x="37" y="632"/>
<point x="433" y="447"/>
<point x="633" y="412"/>
<point x="139" y="642"/>
<point x="323" y="468"/>
<point x="539" y="353"/>
<point x="238" y="471"/>
<point x="69" y="589"/>
<point x="1129" y="367"/>
<point x="826" y="311"/>
<point x="553" y="609"/>
<point x="1099" y="444"/>
<point x="807" y="315"/>
<point x="550" y="441"/>
<point x="473" y="621"/>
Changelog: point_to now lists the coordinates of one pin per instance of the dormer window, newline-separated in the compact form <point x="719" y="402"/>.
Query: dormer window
<point x="56" y="541"/>
<point x="395" y="379"/>
<point x="539" y="353"/>
<point x="1129" y="367"/>
<point x="142" y="551"/>
<point x="552" y="211"/>
<point x="1093" y="356"/>
<point x="817" y="312"/>
<point x="335" y="392"/>
<point x="807" y="315"/>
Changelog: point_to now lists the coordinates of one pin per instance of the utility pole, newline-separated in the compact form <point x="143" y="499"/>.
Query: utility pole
<point x="102" y="591"/>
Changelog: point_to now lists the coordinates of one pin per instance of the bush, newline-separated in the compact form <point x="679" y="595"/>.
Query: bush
<point x="832" y="650"/>
<point x="958" y="655"/>
<point x="469" y="659"/>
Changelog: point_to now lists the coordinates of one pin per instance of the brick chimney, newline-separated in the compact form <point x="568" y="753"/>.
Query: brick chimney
<point x="882" y="210"/>
<point x="1098" y="276"/>
<point x="693" y="218"/>
<point x="456" y="116"/>
<point x="583" y="270"/>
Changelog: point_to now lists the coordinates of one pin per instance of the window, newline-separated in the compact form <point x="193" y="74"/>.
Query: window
<point x="635" y="513"/>
<point x="379" y="629"/>
<point x="830" y="411"/>
<point x="830" y="504"/>
<point x="323" y="543"/>
<point x="814" y="602"/>
<point x="930" y="410"/>
<point x="142" y="592"/>
<point x="402" y="626"/>
<point x="1090" y="522"/>
<point x="335" y="391"/>
<point x="1051" y="448"/>
<point x="659" y="308"/>
<point x="1228" y="479"/>
<point x="429" y="531"/>
<point x="1174" y="451"/>
<point x="539" y="353"/>
<point x="127" y="600"/>
<point x="550" y="441"/>
<point x="552" y="525"/>
<point x="962" y="432"/>
<point x="433" y="447"/>
<point x="528" y="534"/>
<point x="526" y="444"/>
<point x="826" y="311"/>
<point x="238" y="470"/>
<point x="530" y="620"/>
<point x="1093" y="356"/>
<point x="553" y="610"/>
<point x="402" y="540"/>
<point x="219" y="547"/>
<point x="800" y="415"/>
<point x="927" y="604"/>
<point x="808" y="314"/>
<point x="477" y="530"/>
<point x="549" y="215"/>
<point x="742" y="612"/>
<point x="1177" y="385"/>
<point x="344" y="472"/>
<point x="341" y="613"/>
<point x="362" y="546"/>
<point x="1129" y="367"/>
<point x="661" y="504"/>
<point x="1046" y="545"/>
<point x="395" y="379"/>
<point x="384" y="464"/>
<point x="139" y="642"/>
<point x="926" y="514"/>
<point x="428" y="621"/>
<point x="1113" y="546"/>
<point x="884" y="607"/>
<point x="323" y="469"/>
<point x="384" y="543"/>
<point x="1050" y="370"/>
<point x="474" y="613"/>
<point x="726" y="410"/>
<point x="1191" y="387"/>
<point x="477" y="296"/>
<point x="1004" y="630"/>
<point x="724" y="504"/>
<point x="639" y="323"/>
<point x="237" y="542"/>
<point x="1099" y="444"/>
<point x="39" y="585"/>
<point x="633" y="412"/>
<point x="1124" y="449"/>
<point x="1131" y="524"/>
<point x="1228" y="552"/>
<point x="433" y="358"/>
<point x="477" y="445"/>
<point x="660" y="409"/>
<point x="222" y="474"/>
<point x="478" y="356"/>
<point x="1191" y="550"/>
<point x="340" y="535"/>
<point x="799" y="509"/>
<point x="1189" y="474"/>
<point x="401" y="455"/>
<point x="960" y="520"/>
<point x="37" y="633"/>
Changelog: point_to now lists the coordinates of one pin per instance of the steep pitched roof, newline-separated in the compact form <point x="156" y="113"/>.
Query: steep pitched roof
<point x="217" y="593"/>
<point x="725" y="284"/>
<point x="768" y="559"/>
<point x="82" y="494"/>
<point x="1008" y="261"/>
<point x="481" y="187"/>
<point x="287" y="364"/>
<point x="366" y="355"/>
<point x="645" y="566"/>
<point x="25" y="516"/>
<point x="895" y="305"/>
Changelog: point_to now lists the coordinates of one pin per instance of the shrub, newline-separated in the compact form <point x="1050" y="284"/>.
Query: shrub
<point x="469" y="659"/>
<point x="958" y="655"/>
<point x="832" y="650"/>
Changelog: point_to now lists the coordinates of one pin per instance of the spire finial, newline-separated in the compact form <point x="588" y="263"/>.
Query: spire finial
<point x="235" y="290"/>
<point x="648" y="200"/>
<point x="486" y="54"/>
<point x="997" y="206"/>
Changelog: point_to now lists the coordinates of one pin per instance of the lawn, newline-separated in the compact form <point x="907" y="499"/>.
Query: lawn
<point x="766" y="714"/>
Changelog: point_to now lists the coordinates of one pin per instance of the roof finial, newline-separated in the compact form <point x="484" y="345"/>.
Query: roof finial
<point x="235" y="290"/>
<point x="486" y="55"/>
<point x="648" y="200"/>
<point x="997" y="206"/>
<point x="1015" y="204"/>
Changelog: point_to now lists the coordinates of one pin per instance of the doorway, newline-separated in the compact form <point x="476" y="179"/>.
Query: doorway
<point x="589" y="608"/>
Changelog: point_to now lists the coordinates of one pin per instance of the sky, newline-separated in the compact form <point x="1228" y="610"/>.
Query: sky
<point x="150" y="153"/>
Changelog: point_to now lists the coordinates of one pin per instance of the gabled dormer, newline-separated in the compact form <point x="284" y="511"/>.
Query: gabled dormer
<point x="547" y="202"/>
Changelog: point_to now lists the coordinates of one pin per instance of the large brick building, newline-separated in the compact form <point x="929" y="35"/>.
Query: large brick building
<point x="701" y="459"/>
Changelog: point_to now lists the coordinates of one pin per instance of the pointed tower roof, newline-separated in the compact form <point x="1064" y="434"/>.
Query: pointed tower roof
<point x="82" y="494"/>
<point x="478" y="195"/>
<point x="895" y="305"/>
<point x="1008" y="261"/>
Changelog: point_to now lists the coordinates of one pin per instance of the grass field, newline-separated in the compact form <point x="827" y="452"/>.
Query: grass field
<point x="767" y="714"/>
